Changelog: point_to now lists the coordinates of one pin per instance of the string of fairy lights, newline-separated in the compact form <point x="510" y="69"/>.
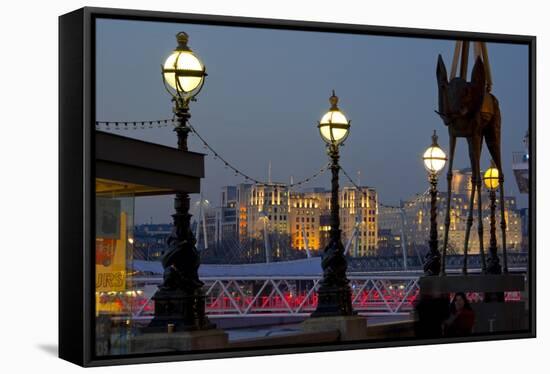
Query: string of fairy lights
<point x="140" y="125"/>
<point x="238" y="172"/>
<point x="162" y="123"/>
<point x="134" y="125"/>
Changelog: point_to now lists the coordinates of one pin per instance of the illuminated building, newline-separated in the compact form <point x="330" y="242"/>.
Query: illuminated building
<point x="267" y="216"/>
<point x="241" y="210"/>
<point x="305" y="212"/>
<point x="358" y="220"/>
<point x="389" y="243"/>
<point x="520" y="166"/>
<point x="226" y="222"/>
<point x="309" y="219"/>
<point x="414" y="218"/>
<point x="150" y="240"/>
<point x="228" y="214"/>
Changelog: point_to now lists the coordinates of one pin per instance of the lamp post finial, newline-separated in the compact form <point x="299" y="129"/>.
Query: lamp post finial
<point x="333" y="100"/>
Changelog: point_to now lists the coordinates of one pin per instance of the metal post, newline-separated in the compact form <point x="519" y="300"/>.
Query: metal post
<point x="404" y="249"/>
<point x="267" y="244"/>
<point x="334" y="293"/>
<point x="488" y="74"/>
<point x="464" y="59"/>
<point x="180" y="299"/>
<point x="456" y="55"/>
<point x="432" y="262"/>
<point x="503" y="220"/>
<point x="493" y="262"/>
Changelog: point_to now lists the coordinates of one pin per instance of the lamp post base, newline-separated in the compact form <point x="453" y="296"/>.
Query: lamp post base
<point x="333" y="301"/>
<point x="350" y="327"/>
<point x="493" y="264"/>
<point x="175" y="307"/>
<point x="179" y="341"/>
<point x="493" y="267"/>
<point x="432" y="263"/>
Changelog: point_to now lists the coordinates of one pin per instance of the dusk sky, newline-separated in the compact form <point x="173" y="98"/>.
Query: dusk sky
<point x="266" y="90"/>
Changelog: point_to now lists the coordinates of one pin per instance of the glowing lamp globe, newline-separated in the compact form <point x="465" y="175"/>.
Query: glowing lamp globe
<point x="182" y="70"/>
<point x="434" y="157"/>
<point x="490" y="178"/>
<point x="334" y="126"/>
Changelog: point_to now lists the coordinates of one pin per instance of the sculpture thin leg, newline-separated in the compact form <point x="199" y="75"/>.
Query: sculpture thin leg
<point x="452" y="144"/>
<point x="477" y="143"/>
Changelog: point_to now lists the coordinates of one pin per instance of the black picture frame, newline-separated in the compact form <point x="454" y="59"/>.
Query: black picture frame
<point x="77" y="171"/>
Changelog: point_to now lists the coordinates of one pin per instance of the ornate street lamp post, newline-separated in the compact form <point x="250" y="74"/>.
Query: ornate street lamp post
<point x="334" y="293"/>
<point x="180" y="298"/>
<point x="491" y="181"/>
<point x="434" y="161"/>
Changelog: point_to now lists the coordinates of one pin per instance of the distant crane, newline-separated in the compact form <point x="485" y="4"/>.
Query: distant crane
<point x="201" y="206"/>
<point x="267" y="245"/>
<point x="306" y="242"/>
<point x="264" y="218"/>
<point x="402" y="218"/>
<point x="403" y="237"/>
<point x="354" y="237"/>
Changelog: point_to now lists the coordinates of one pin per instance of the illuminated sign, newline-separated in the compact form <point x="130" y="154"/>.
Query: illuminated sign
<point x="110" y="248"/>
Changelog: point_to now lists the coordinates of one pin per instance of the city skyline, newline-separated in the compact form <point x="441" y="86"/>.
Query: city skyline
<point x="302" y="218"/>
<point x="240" y="117"/>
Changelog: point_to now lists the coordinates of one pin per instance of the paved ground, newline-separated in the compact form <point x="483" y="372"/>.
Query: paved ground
<point x="254" y="332"/>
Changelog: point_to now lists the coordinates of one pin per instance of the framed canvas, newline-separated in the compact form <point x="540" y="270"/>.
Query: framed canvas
<point x="237" y="186"/>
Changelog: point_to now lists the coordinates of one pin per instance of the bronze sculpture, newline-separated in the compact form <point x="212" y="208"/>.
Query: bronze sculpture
<point x="470" y="111"/>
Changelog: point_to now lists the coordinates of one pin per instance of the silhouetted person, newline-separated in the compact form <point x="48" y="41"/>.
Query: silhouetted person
<point x="462" y="317"/>
<point x="431" y="311"/>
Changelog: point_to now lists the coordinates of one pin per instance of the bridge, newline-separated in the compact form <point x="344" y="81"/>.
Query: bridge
<point x="286" y="289"/>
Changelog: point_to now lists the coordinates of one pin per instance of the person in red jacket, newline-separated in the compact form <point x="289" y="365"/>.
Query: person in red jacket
<point x="462" y="318"/>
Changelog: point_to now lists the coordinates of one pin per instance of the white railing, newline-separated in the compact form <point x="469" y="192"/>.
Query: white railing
<point x="276" y="296"/>
<point x="292" y="296"/>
